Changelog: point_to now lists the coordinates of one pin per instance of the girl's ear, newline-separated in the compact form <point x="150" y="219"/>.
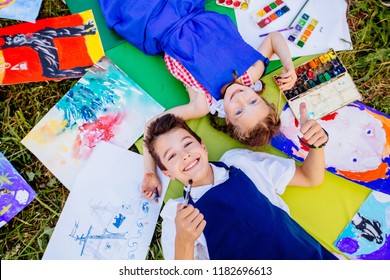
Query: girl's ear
<point x="168" y="174"/>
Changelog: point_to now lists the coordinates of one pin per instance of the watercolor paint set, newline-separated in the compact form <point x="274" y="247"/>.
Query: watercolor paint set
<point x="323" y="84"/>
<point x="270" y="13"/>
<point x="303" y="29"/>
<point x="235" y="4"/>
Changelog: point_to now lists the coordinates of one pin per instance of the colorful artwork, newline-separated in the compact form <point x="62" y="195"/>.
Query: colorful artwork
<point x="15" y="193"/>
<point x="104" y="105"/>
<point x="106" y="216"/>
<point x="358" y="147"/>
<point x="26" y="10"/>
<point x="51" y="49"/>
<point x="367" y="236"/>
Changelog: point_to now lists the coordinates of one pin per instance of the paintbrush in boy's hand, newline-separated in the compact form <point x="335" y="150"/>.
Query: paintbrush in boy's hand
<point x="188" y="193"/>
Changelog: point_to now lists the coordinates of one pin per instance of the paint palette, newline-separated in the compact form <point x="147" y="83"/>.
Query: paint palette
<point x="323" y="84"/>
<point x="269" y="13"/>
<point x="303" y="30"/>
<point x="235" y="4"/>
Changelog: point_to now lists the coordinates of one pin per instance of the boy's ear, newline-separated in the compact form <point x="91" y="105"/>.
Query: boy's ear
<point x="168" y="174"/>
<point x="204" y="146"/>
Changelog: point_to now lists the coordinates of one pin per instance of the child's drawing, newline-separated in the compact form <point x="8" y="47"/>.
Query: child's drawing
<point x="358" y="147"/>
<point x="105" y="105"/>
<point x="26" y="10"/>
<point x="106" y="216"/>
<point x="50" y="49"/>
<point x="15" y="193"/>
<point x="367" y="236"/>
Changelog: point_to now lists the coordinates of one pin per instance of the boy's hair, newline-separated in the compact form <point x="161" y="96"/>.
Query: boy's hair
<point x="260" y="135"/>
<point x="160" y="126"/>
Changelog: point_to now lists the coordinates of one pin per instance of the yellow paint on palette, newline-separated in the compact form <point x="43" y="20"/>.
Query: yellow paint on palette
<point x="261" y="13"/>
<point x="93" y="42"/>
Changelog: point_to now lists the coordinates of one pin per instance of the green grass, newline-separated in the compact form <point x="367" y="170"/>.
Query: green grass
<point x="22" y="106"/>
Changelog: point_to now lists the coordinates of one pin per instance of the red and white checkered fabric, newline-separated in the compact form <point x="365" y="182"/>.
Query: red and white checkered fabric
<point x="182" y="74"/>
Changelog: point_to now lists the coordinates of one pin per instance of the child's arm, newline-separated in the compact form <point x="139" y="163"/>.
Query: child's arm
<point x="189" y="226"/>
<point x="196" y="108"/>
<point x="311" y="172"/>
<point x="274" y="43"/>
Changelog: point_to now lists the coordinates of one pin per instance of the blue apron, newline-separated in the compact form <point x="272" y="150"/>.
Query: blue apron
<point x="243" y="224"/>
<point x="206" y="43"/>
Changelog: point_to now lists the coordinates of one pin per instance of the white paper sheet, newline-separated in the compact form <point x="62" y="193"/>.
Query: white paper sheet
<point x="105" y="215"/>
<point x="332" y="30"/>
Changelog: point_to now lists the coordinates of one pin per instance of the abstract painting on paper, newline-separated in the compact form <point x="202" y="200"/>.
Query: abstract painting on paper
<point x="367" y="236"/>
<point x="26" y="10"/>
<point x="50" y="49"/>
<point x="15" y="193"/>
<point x="105" y="216"/>
<point x="358" y="148"/>
<point x="104" y="105"/>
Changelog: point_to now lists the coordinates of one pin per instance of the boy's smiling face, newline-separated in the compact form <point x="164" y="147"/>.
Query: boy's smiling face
<point x="184" y="157"/>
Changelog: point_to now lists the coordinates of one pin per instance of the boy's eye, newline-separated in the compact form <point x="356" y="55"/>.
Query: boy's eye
<point x="187" y="144"/>
<point x="171" y="157"/>
<point x="253" y="101"/>
<point x="238" y="112"/>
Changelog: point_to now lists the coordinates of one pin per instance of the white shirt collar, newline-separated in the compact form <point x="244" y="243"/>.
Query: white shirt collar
<point x="220" y="176"/>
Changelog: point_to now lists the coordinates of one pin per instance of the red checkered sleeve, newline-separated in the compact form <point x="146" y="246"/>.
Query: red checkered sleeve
<point x="183" y="75"/>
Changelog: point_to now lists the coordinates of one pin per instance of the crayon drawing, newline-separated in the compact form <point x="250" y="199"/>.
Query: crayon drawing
<point x="26" y="10"/>
<point x="104" y="105"/>
<point x="50" y="49"/>
<point x="367" y="236"/>
<point x="358" y="147"/>
<point x="106" y="216"/>
<point x="15" y="193"/>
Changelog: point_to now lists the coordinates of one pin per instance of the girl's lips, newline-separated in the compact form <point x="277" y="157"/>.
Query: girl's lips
<point x="191" y="165"/>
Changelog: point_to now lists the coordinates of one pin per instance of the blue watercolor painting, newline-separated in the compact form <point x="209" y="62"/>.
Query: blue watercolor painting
<point x="104" y="105"/>
<point x="25" y="10"/>
<point x="106" y="217"/>
<point x="15" y="193"/>
<point x="358" y="148"/>
<point x="367" y="236"/>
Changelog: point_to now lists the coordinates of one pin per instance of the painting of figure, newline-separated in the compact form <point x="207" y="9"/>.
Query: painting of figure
<point x="50" y="49"/>
<point x="358" y="147"/>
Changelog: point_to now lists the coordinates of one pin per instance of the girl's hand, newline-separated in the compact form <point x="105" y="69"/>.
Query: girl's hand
<point x="288" y="78"/>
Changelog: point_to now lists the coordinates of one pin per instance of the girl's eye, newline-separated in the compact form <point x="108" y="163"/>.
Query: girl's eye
<point x="253" y="101"/>
<point x="239" y="111"/>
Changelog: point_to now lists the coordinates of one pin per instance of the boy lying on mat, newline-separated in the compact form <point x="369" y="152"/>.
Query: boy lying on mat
<point x="233" y="208"/>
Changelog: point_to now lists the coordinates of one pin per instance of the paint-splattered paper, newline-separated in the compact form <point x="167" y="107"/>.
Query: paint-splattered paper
<point x="358" y="148"/>
<point x="15" y="193"/>
<point x="106" y="216"/>
<point x="50" y="49"/>
<point x="104" y="105"/>
<point x="26" y="10"/>
<point x="367" y="236"/>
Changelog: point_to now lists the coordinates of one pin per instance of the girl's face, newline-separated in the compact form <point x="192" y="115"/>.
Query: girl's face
<point x="244" y="108"/>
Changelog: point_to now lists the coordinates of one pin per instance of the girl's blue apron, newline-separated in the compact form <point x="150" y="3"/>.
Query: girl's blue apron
<point x="206" y="43"/>
<point x="243" y="224"/>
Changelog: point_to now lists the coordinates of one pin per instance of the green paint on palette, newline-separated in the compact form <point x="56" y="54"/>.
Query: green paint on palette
<point x="327" y="76"/>
<point x="300" y="43"/>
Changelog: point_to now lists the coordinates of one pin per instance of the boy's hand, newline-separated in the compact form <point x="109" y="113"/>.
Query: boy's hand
<point x="313" y="134"/>
<point x="287" y="79"/>
<point x="189" y="224"/>
<point x="151" y="186"/>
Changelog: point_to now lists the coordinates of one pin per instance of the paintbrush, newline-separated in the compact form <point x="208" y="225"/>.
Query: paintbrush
<point x="188" y="193"/>
<point x="300" y="10"/>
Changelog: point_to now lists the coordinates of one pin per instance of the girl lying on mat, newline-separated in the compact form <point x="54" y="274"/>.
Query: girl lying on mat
<point x="205" y="51"/>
